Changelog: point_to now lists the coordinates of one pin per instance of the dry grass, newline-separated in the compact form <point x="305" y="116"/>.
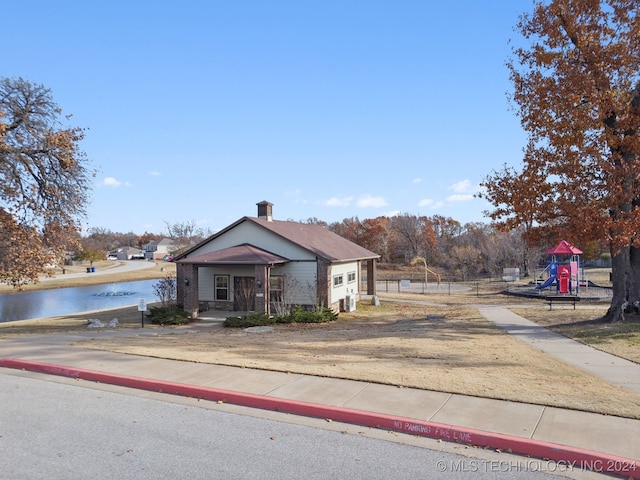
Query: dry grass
<point x="128" y="317"/>
<point x="586" y="326"/>
<point x="444" y="345"/>
<point x="447" y="348"/>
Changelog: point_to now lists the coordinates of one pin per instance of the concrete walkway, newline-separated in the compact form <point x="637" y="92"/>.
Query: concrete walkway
<point x="613" y="369"/>
<point x="593" y="441"/>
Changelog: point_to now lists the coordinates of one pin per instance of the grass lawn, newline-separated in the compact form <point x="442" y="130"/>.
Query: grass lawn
<point x="443" y="344"/>
<point x="586" y="326"/>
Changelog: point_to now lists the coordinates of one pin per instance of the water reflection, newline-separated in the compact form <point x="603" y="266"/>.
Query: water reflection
<point x="64" y="301"/>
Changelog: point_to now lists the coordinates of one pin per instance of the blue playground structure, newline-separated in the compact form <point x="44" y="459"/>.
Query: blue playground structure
<point x="563" y="274"/>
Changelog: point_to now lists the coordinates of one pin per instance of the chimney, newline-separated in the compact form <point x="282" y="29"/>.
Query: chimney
<point x="265" y="211"/>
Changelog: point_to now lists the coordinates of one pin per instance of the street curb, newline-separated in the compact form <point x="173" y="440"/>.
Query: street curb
<point x="566" y="456"/>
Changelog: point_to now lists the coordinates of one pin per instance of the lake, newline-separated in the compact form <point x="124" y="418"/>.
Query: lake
<point x="64" y="301"/>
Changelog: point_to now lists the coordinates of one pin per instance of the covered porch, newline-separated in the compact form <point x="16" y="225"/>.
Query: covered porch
<point x="232" y="279"/>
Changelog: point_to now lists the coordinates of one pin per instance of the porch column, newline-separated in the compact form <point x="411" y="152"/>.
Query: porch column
<point x="190" y="285"/>
<point x="323" y="275"/>
<point x="261" y="274"/>
<point x="372" y="276"/>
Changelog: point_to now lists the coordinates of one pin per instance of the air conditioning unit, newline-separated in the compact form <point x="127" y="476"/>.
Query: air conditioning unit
<point x="350" y="303"/>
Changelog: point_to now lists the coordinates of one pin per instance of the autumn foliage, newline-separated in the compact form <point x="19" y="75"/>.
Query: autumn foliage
<point x="577" y="90"/>
<point x="43" y="182"/>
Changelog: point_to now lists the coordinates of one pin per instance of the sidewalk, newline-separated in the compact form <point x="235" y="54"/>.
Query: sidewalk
<point x="593" y="441"/>
<point x="613" y="369"/>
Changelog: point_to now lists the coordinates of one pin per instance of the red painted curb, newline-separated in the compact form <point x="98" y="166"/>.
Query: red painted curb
<point x="566" y="456"/>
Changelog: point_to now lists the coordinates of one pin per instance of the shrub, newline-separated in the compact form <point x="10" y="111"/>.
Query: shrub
<point x="249" y="320"/>
<point x="299" y="315"/>
<point x="167" y="316"/>
<point x="320" y="315"/>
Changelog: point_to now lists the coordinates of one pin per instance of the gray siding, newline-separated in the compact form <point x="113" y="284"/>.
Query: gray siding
<point x="247" y="232"/>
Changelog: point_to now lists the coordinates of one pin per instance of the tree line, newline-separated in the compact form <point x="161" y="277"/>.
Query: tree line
<point x="99" y="241"/>
<point x="454" y="250"/>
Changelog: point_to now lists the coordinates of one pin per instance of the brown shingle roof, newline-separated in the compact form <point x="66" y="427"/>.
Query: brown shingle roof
<point x="316" y="239"/>
<point x="240" y="254"/>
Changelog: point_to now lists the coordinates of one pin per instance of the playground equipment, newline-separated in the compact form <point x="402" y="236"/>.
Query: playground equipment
<point x="427" y="270"/>
<point x="563" y="274"/>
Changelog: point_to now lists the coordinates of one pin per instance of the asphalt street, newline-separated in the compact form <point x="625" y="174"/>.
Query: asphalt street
<point x="53" y="430"/>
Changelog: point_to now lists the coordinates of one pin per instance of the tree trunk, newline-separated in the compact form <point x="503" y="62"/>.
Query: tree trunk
<point x="525" y="261"/>
<point x="633" y="289"/>
<point x="620" y="276"/>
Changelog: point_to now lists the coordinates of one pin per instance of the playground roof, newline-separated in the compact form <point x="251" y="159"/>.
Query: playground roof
<point x="564" y="248"/>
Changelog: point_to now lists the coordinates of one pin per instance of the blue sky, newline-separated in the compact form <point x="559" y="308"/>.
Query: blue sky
<point x="197" y="110"/>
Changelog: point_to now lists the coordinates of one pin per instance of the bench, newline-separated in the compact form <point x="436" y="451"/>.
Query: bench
<point x="562" y="298"/>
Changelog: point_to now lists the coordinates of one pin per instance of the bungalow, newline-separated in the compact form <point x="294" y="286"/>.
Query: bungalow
<point x="268" y="266"/>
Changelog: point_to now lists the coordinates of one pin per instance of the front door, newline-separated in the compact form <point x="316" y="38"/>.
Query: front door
<point x="244" y="294"/>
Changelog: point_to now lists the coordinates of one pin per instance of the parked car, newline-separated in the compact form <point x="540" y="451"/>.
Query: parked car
<point x="168" y="258"/>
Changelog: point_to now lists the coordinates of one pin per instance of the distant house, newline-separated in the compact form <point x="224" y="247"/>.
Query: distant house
<point x="126" y="253"/>
<point x="157" y="249"/>
<point x="265" y="265"/>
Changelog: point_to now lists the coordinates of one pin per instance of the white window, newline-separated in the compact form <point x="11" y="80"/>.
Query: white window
<point x="276" y="289"/>
<point x="222" y="287"/>
<point x="351" y="277"/>
<point x="338" y="281"/>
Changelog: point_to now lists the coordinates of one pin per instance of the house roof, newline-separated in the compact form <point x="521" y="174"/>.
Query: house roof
<point x="129" y="249"/>
<point x="314" y="238"/>
<point x="317" y="239"/>
<point x="238" y="255"/>
<point x="163" y="241"/>
<point x="564" y="248"/>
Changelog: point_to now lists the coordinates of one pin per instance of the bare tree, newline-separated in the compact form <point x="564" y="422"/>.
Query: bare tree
<point x="185" y="234"/>
<point x="166" y="291"/>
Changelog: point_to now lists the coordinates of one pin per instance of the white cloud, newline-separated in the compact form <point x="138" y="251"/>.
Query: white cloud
<point x="364" y="201"/>
<point x="460" y="197"/>
<point x="430" y="203"/>
<point x="338" y="202"/>
<point x="463" y="191"/>
<point x="464" y="186"/>
<point x="154" y="173"/>
<point x="392" y="213"/>
<point x="415" y="181"/>
<point x="367" y="200"/>
<point x="113" y="183"/>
